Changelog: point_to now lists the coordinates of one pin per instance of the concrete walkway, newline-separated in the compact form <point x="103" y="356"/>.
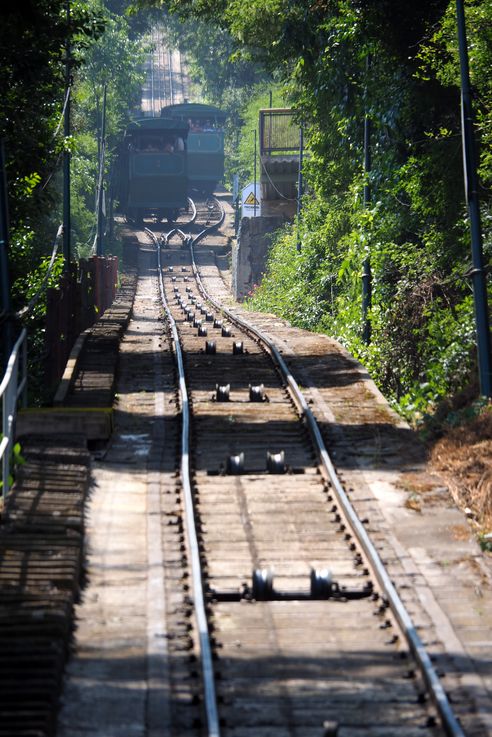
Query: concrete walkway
<point x="117" y="683"/>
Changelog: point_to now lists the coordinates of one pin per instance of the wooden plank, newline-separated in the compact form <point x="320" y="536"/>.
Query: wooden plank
<point x="69" y="374"/>
<point x="96" y="423"/>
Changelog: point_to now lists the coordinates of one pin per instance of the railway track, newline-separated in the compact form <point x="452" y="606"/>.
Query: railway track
<point x="297" y="624"/>
<point x="258" y="604"/>
<point x="166" y="82"/>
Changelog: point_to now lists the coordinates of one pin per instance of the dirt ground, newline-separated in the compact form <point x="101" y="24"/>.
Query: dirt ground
<point x="463" y="457"/>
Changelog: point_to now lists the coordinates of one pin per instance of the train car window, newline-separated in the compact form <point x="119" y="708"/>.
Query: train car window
<point x="158" y="165"/>
<point x="150" y="143"/>
<point x="158" y="144"/>
<point x="204" y="143"/>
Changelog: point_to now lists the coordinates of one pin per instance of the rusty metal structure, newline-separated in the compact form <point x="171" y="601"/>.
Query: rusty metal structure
<point x="279" y="157"/>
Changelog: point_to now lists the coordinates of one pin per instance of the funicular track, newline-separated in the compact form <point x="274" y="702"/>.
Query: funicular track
<point x="166" y="78"/>
<point x="296" y="623"/>
<point x="300" y="629"/>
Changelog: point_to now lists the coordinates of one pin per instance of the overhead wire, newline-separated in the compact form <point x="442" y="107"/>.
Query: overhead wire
<point x="25" y="311"/>
<point x="62" y="116"/>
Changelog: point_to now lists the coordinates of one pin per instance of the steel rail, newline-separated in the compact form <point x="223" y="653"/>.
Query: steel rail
<point x="209" y="691"/>
<point x="207" y="229"/>
<point x="180" y="74"/>
<point x="171" y="87"/>
<point x="158" y="80"/>
<point x="152" y="74"/>
<point x="162" y="77"/>
<point x="434" y="685"/>
<point x="194" y="213"/>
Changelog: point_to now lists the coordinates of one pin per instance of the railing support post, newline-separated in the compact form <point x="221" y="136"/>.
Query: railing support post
<point x="366" y="266"/>
<point x="5" y="303"/>
<point x="11" y="389"/>
<point x="300" y="187"/>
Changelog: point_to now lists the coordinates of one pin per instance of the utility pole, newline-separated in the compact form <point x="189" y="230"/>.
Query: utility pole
<point x="100" y="191"/>
<point x="366" y="266"/>
<point x="66" y="152"/>
<point x="477" y="272"/>
<point x="235" y="199"/>
<point x="111" y="201"/>
<point x="5" y="303"/>
<point x="300" y="185"/>
<point x="254" y="181"/>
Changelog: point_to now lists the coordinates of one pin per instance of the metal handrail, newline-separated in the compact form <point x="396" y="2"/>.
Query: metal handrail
<point x="11" y="390"/>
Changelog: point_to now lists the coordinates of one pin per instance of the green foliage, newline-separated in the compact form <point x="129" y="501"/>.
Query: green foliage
<point x="32" y="48"/>
<point x="16" y="460"/>
<point x="485" y="542"/>
<point x="303" y="286"/>
<point x="223" y="75"/>
<point x="35" y="281"/>
<point x="216" y="64"/>
<point x="240" y="141"/>
<point x="32" y="74"/>
<point x="105" y="50"/>
<point x="334" y="62"/>
<point x="114" y="62"/>
<point x="415" y="230"/>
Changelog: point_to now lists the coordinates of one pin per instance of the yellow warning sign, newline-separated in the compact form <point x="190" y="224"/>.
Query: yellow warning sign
<point x="251" y="199"/>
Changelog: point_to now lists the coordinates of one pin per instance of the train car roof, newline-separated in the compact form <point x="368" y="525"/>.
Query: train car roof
<point x="157" y="124"/>
<point x="190" y="109"/>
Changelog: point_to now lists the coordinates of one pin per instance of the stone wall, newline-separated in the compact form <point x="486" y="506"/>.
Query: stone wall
<point x="249" y="253"/>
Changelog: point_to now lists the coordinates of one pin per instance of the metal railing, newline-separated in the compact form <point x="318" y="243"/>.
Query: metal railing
<point x="13" y="386"/>
<point x="279" y="133"/>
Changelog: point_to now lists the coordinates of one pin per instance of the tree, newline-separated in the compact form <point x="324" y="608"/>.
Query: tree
<point x="32" y="48"/>
<point x="415" y="231"/>
<point x="115" y="62"/>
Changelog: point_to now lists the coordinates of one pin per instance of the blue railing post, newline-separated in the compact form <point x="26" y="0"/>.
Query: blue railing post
<point x="11" y="390"/>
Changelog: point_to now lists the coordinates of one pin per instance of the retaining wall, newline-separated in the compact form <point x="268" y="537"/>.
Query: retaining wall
<point x="249" y="253"/>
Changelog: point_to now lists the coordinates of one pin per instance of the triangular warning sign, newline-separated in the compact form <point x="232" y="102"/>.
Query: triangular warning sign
<point x="251" y="199"/>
